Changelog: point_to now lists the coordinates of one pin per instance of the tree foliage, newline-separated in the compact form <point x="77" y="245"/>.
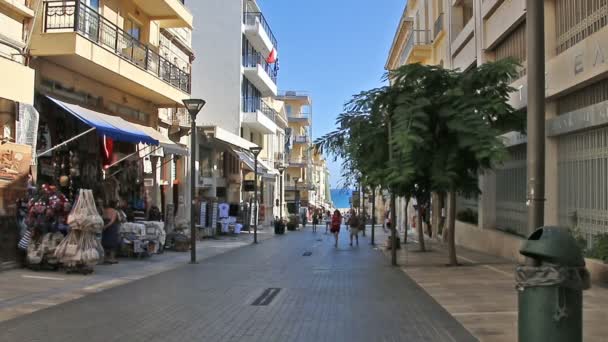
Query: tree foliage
<point x="445" y="128"/>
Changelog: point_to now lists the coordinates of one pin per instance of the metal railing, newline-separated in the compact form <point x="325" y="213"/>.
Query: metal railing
<point x="250" y="18"/>
<point x="298" y="116"/>
<point x="438" y="26"/>
<point x="255" y="59"/>
<point x="253" y="104"/>
<point x="301" y="139"/>
<point x="416" y="37"/>
<point x="62" y="16"/>
<point x="298" y="160"/>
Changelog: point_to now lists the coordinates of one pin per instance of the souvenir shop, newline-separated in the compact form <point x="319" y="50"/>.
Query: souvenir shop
<point x="85" y="161"/>
<point x="16" y="121"/>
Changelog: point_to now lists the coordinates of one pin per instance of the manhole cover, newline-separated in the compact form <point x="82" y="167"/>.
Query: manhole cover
<point x="307" y="254"/>
<point x="266" y="297"/>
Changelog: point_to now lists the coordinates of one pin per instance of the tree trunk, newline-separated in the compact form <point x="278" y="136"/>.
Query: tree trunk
<point x="451" y="228"/>
<point x="393" y="230"/>
<point x="420" y="229"/>
<point x="407" y="220"/>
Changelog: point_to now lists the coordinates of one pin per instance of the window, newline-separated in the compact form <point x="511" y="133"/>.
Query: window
<point x="221" y="164"/>
<point x="577" y="20"/>
<point x="288" y="109"/>
<point x="132" y="29"/>
<point x="205" y="168"/>
<point x="514" y="45"/>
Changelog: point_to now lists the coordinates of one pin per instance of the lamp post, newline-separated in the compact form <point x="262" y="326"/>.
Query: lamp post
<point x="281" y="170"/>
<point x="296" y="195"/>
<point x="193" y="106"/>
<point x="256" y="152"/>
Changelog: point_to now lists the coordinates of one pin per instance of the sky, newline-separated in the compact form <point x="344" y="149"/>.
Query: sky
<point x="333" y="49"/>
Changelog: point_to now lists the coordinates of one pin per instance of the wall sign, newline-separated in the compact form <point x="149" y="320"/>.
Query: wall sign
<point x="588" y="117"/>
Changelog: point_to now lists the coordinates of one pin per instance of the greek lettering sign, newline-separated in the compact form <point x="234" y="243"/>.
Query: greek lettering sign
<point x="588" y="117"/>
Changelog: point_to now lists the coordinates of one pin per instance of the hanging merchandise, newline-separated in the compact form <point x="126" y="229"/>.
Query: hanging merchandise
<point x="79" y="250"/>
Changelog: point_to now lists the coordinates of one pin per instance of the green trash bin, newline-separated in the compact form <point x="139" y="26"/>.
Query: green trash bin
<point x="550" y="287"/>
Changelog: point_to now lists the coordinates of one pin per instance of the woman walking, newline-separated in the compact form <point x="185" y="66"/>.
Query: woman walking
<point x="327" y="221"/>
<point x="354" y="223"/>
<point x="336" y="222"/>
<point x="110" y="237"/>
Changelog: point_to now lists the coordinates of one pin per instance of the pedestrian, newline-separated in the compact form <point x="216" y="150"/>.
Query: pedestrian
<point x="327" y="221"/>
<point x="336" y="222"/>
<point x="315" y="221"/>
<point x="110" y="237"/>
<point x="354" y="223"/>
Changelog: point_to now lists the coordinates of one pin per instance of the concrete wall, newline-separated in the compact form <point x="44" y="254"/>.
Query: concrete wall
<point x="507" y="246"/>
<point x="216" y="72"/>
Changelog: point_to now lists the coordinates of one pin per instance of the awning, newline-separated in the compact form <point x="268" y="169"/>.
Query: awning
<point x="110" y="126"/>
<point x="227" y="137"/>
<point x="246" y="158"/>
<point x="168" y="146"/>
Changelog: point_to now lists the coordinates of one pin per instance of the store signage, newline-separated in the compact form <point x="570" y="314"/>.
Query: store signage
<point x="248" y="185"/>
<point x="15" y="161"/>
<point x="588" y="117"/>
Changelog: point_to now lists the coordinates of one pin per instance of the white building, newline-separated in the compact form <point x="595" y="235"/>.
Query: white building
<point x="237" y="77"/>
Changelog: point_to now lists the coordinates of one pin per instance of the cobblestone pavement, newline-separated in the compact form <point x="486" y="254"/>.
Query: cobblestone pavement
<point x="23" y="291"/>
<point x="304" y="288"/>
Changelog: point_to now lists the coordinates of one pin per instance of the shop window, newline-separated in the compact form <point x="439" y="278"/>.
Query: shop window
<point x="221" y="162"/>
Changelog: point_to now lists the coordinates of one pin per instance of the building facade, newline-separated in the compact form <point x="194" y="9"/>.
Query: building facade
<point x="480" y="31"/>
<point x="240" y="87"/>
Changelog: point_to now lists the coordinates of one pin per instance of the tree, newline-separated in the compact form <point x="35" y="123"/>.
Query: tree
<point x="431" y="130"/>
<point x="447" y="127"/>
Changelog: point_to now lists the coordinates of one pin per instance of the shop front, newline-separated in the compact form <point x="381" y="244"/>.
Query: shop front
<point x="86" y="160"/>
<point x="18" y="121"/>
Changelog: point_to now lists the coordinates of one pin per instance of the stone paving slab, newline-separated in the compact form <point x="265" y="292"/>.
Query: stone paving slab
<point x="481" y="293"/>
<point x="344" y="294"/>
<point x="24" y="291"/>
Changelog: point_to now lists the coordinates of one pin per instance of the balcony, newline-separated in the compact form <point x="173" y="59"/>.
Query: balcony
<point x="176" y="117"/>
<point x="298" y="162"/>
<point x="258" y="32"/>
<point x="79" y="38"/>
<point x="21" y="85"/>
<point x="257" y="115"/>
<point x="301" y="139"/>
<point x="262" y="74"/>
<point x="417" y="48"/>
<point x="19" y="8"/>
<point x="168" y="13"/>
<point x="300" y="118"/>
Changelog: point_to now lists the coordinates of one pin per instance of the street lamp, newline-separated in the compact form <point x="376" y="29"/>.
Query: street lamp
<point x="256" y="151"/>
<point x="193" y="106"/>
<point x="297" y="194"/>
<point x="281" y="169"/>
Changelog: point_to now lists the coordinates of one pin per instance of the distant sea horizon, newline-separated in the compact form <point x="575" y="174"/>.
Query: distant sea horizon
<point x="341" y="198"/>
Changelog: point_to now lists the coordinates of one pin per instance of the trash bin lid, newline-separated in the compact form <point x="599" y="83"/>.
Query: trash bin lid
<point x="555" y="245"/>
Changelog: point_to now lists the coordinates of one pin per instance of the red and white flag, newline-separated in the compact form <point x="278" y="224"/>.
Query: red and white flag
<point x="272" y="57"/>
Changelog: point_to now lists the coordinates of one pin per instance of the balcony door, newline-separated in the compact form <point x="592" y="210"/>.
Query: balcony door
<point x="89" y="19"/>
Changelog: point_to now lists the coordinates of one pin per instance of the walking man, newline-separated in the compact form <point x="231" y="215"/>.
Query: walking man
<point x="354" y="224"/>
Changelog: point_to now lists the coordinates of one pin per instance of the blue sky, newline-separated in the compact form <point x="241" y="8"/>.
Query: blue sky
<point x="332" y="48"/>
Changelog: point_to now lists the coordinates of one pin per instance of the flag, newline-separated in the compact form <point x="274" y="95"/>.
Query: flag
<point x="107" y="147"/>
<point x="272" y="57"/>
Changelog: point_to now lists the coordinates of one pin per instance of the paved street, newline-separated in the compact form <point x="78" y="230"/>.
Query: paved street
<point x="348" y="294"/>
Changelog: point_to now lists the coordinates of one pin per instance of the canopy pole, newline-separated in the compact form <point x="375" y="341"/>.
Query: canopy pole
<point x="65" y="142"/>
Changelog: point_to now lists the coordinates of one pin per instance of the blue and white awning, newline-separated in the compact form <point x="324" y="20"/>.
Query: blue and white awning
<point x="111" y="126"/>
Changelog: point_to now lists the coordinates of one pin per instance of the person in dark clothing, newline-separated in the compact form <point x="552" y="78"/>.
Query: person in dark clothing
<point x="110" y="237"/>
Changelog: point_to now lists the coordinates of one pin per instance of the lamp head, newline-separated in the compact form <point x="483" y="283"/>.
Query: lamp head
<point x="255" y="150"/>
<point x="194" y="106"/>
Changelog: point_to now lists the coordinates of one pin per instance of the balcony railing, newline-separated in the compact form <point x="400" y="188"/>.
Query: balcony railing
<point x="249" y="18"/>
<point x="301" y="139"/>
<point x="416" y="37"/>
<point x="298" y="160"/>
<point x="255" y="59"/>
<point x="438" y="27"/>
<point x="62" y="16"/>
<point x="253" y="104"/>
